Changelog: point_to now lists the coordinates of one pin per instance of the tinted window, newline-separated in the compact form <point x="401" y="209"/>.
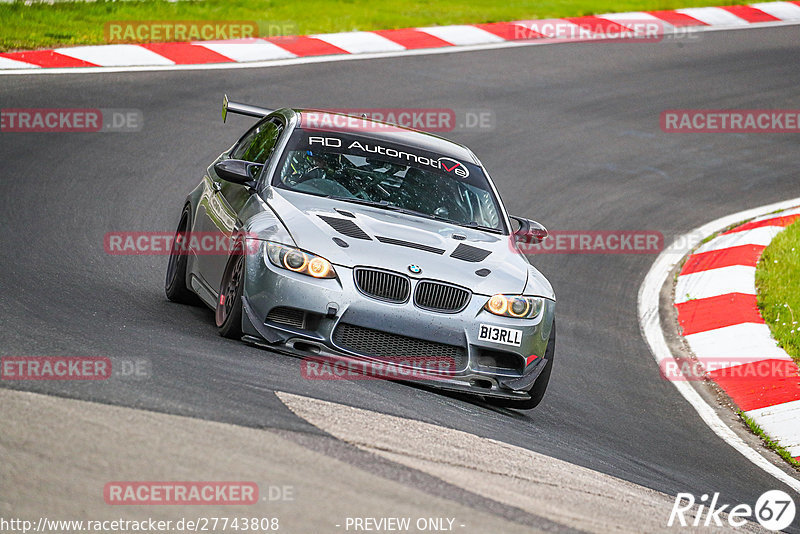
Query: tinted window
<point x="258" y="144"/>
<point x="357" y="169"/>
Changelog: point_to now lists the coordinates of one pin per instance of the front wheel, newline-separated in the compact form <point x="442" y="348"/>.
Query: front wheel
<point x="539" y="387"/>
<point x="175" y="285"/>
<point x="229" y="304"/>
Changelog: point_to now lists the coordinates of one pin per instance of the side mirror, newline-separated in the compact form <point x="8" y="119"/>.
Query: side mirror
<point x="238" y="171"/>
<point x="529" y="232"/>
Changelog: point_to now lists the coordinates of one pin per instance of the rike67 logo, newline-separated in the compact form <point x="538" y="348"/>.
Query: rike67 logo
<point x="774" y="510"/>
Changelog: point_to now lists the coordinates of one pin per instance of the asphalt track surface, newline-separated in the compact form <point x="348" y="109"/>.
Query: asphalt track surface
<point x="577" y="146"/>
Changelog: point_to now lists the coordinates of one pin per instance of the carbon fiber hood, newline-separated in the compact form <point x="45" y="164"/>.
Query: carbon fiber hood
<point x="391" y="240"/>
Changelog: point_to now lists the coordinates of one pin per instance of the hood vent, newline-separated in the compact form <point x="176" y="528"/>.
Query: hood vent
<point x="470" y="253"/>
<point x="345" y="227"/>
<point x="345" y="213"/>
<point x="409" y="244"/>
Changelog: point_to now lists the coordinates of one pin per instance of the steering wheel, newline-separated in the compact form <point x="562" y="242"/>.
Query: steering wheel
<point x="315" y="173"/>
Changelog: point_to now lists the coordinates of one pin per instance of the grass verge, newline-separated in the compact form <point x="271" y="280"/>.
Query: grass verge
<point x="39" y="25"/>
<point x="778" y="288"/>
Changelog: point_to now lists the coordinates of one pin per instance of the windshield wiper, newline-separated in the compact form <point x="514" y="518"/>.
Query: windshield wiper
<point x="355" y="200"/>
<point x="481" y="227"/>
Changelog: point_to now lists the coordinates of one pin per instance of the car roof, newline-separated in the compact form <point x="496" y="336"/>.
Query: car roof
<point x="329" y="121"/>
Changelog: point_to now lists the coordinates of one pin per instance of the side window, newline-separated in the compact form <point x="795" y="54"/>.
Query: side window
<point x="257" y="145"/>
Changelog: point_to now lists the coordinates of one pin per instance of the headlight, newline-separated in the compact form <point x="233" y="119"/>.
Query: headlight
<point x="515" y="306"/>
<point x="298" y="261"/>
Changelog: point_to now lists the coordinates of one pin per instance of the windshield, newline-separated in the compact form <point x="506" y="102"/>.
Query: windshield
<point x="368" y="171"/>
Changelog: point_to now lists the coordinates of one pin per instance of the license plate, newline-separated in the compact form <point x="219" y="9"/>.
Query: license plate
<point x="498" y="334"/>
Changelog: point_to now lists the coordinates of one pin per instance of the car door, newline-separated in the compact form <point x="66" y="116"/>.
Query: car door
<point x="222" y="201"/>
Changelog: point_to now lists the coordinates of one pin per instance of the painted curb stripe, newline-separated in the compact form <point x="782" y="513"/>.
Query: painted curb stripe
<point x="702" y="315"/>
<point x="727" y="332"/>
<point x="757" y="236"/>
<point x="715" y="282"/>
<point x="750" y="14"/>
<point x="251" y="50"/>
<point x="509" y="31"/>
<point x="11" y="63"/>
<point x="781" y="10"/>
<point x="116" y="55"/>
<point x="47" y="59"/>
<point x="736" y="344"/>
<point x="186" y="53"/>
<point x="360" y="42"/>
<point x="393" y="41"/>
<point x="304" y="46"/>
<point x="782" y="222"/>
<point x="753" y="388"/>
<point x="636" y="18"/>
<point x="677" y="19"/>
<point x="412" y="39"/>
<point x="713" y="16"/>
<point x="606" y="27"/>
<point x="784" y="420"/>
<point x="462" y="35"/>
<point x="746" y="255"/>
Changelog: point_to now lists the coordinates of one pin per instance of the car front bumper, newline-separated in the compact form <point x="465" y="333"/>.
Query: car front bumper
<point x="481" y="367"/>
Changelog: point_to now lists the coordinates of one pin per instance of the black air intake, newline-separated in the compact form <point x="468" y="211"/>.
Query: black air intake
<point x="345" y="227"/>
<point x="470" y="253"/>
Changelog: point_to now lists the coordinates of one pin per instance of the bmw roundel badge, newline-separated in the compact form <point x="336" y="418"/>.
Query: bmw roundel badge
<point x="416" y="269"/>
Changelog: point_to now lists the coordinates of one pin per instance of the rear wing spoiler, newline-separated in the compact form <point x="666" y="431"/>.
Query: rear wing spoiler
<point x="242" y="109"/>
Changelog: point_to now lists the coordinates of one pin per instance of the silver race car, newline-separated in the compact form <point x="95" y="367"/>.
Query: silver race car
<point x="357" y="240"/>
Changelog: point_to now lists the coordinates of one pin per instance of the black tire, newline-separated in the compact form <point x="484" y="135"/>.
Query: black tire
<point x="539" y="387"/>
<point x="228" y="314"/>
<point x="175" y="284"/>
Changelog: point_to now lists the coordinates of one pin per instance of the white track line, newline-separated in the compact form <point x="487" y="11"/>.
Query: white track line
<point x="347" y="57"/>
<point x="650" y="324"/>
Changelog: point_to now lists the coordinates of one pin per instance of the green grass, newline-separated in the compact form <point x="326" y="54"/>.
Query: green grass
<point x="768" y="441"/>
<point x="778" y="284"/>
<point x="64" y="24"/>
